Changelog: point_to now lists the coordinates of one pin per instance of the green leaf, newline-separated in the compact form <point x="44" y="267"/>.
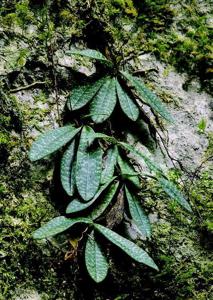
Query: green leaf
<point x="127" y="246"/>
<point x="88" y="166"/>
<point x="174" y="193"/>
<point x="127" y="104"/>
<point x="86" y="138"/>
<point x="138" y="215"/>
<point x="153" y="167"/>
<point x="90" y="53"/>
<point x="81" y="95"/>
<point x="148" y="96"/>
<point x="66" y="172"/>
<point x="104" y="102"/>
<point x="76" y="205"/>
<point x="99" y="135"/>
<point x="95" y="260"/>
<point x="57" y="225"/>
<point x="128" y="172"/>
<point x="126" y="168"/>
<point x="51" y="141"/>
<point x="109" y="165"/>
<point x="103" y="204"/>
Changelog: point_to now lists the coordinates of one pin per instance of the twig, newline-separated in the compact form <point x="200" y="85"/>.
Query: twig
<point x="55" y="81"/>
<point x="167" y="151"/>
<point x="26" y="87"/>
<point x="198" y="170"/>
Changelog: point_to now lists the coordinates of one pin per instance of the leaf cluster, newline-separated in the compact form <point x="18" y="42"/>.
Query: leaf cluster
<point x="96" y="172"/>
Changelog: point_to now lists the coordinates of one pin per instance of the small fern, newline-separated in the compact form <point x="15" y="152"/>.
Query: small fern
<point x="95" y="169"/>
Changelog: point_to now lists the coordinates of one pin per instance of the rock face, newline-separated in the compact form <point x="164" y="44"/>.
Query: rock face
<point x="29" y="295"/>
<point x="36" y="79"/>
<point x="186" y="145"/>
<point x="185" y="141"/>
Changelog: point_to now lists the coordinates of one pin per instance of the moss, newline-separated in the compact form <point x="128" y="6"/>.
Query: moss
<point x="188" y="48"/>
<point x="209" y="152"/>
<point x="127" y="6"/>
<point x="20" y="211"/>
<point x="182" y="38"/>
<point x="122" y="28"/>
<point x="17" y="14"/>
<point x="20" y="255"/>
<point x="24" y="205"/>
<point x="201" y="197"/>
<point x="4" y="138"/>
<point x="182" y="242"/>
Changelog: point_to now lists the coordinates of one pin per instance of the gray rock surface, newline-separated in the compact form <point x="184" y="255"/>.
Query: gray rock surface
<point x="29" y="295"/>
<point x="186" y="144"/>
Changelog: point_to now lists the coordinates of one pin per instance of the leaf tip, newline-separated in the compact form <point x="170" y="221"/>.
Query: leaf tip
<point x="36" y="235"/>
<point x="189" y="208"/>
<point x="155" y="267"/>
<point x="32" y="157"/>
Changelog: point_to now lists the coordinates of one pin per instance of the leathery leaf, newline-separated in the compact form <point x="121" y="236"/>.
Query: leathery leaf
<point x="109" y="165"/>
<point x="138" y="215"/>
<point x="88" y="167"/>
<point x="127" y="246"/>
<point x="153" y="167"/>
<point x="127" y="104"/>
<point x="51" y="141"/>
<point x="148" y="96"/>
<point x="90" y="53"/>
<point x="95" y="260"/>
<point x="81" y="95"/>
<point x="103" y="203"/>
<point x="170" y="188"/>
<point x="128" y="172"/>
<point x="104" y="102"/>
<point x="76" y="205"/>
<point x="66" y="171"/>
<point x="57" y="225"/>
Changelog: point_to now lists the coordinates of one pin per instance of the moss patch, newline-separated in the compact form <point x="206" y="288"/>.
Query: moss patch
<point x="33" y="32"/>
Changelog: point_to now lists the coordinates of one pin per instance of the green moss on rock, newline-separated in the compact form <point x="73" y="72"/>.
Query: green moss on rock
<point x="181" y="242"/>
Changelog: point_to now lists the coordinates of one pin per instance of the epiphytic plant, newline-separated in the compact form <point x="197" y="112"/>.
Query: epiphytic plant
<point x="96" y="171"/>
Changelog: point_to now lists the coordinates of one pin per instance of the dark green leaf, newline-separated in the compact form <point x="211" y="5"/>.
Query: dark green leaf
<point x="95" y="260"/>
<point x="153" y="167"/>
<point x="104" y="102"/>
<point x="109" y="165"/>
<point x="138" y="215"/>
<point x="88" y="167"/>
<point x="57" y="225"/>
<point x="127" y="104"/>
<point x="148" y="96"/>
<point x="174" y="193"/>
<point x="86" y="139"/>
<point x="90" y="53"/>
<point x="127" y="246"/>
<point x="66" y="169"/>
<point x="51" y="141"/>
<point x="99" y="135"/>
<point x="81" y="95"/>
<point x="102" y="205"/>
<point x="76" y="205"/>
<point x="128" y="172"/>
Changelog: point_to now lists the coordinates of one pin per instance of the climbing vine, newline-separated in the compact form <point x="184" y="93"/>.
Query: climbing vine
<point x="96" y="170"/>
